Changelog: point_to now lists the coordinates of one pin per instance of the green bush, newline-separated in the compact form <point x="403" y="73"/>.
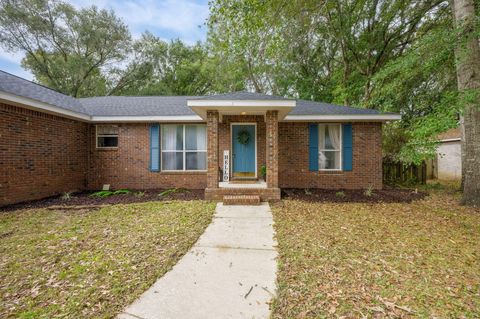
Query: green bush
<point x="263" y="171"/>
<point x="340" y="194"/>
<point x="67" y="196"/>
<point x="104" y="194"/>
<point x="172" y="190"/>
<point x="369" y="191"/>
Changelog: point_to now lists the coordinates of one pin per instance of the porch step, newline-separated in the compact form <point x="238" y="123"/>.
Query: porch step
<point x="241" y="200"/>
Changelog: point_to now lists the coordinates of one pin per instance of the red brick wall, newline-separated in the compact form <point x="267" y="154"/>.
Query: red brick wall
<point x="213" y="156"/>
<point x="128" y="165"/>
<point x="272" y="148"/>
<point x="40" y="154"/>
<point x="367" y="159"/>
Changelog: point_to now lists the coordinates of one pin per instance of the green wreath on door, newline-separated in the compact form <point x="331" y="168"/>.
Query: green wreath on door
<point x="243" y="137"/>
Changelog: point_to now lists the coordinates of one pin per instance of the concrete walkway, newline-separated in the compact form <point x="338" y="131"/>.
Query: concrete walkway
<point x="229" y="273"/>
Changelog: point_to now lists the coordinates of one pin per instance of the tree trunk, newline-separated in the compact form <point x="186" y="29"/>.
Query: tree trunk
<point x="468" y="77"/>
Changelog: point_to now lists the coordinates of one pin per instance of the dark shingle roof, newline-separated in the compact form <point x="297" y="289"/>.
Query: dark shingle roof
<point x="137" y="105"/>
<point x="15" y="85"/>
<point x="154" y="105"/>
<point x="319" y="108"/>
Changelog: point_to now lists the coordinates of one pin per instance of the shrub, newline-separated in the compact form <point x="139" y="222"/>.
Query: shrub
<point x="67" y="196"/>
<point x="172" y="190"/>
<point x="103" y="194"/>
<point x="369" y="191"/>
<point x="263" y="171"/>
<point x="121" y="192"/>
<point x="139" y="194"/>
<point x="340" y="194"/>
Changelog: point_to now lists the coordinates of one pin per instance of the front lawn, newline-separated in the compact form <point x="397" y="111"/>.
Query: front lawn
<point x="91" y="263"/>
<point x="419" y="259"/>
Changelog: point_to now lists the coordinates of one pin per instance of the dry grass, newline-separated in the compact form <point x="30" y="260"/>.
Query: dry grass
<point x="90" y="264"/>
<point x="379" y="260"/>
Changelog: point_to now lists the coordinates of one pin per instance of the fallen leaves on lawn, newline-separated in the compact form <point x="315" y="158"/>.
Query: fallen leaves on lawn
<point x="420" y="259"/>
<point x="92" y="264"/>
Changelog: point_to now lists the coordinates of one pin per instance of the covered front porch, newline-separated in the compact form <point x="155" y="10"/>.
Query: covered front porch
<point x="242" y="142"/>
<point x="235" y="169"/>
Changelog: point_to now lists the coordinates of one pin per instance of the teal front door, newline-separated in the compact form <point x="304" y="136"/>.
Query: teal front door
<point x="243" y="150"/>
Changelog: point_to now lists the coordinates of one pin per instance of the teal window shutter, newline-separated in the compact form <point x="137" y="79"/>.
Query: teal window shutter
<point x="155" y="147"/>
<point x="347" y="142"/>
<point x="313" y="147"/>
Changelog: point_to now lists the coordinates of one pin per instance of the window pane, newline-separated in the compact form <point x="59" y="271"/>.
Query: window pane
<point x="107" y="141"/>
<point x="331" y="139"/>
<point x="107" y="130"/>
<point x="172" y="137"/>
<point x="329" y="160"/>
<point x="196" y="160"/>
<point x="195" y="137"/>
<point x="172" y="161"/>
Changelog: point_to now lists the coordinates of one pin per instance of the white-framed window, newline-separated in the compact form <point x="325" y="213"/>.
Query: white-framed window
<point x="184" y="147"/>
<point x="329" y="147"/>
<point x="107" y="136"/>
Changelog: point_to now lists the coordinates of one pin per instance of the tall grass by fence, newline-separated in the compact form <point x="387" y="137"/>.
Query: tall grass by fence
<point x="399" y="173"/>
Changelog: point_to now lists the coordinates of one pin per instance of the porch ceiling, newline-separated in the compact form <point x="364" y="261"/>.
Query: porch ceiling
<point x="241" y="107"/>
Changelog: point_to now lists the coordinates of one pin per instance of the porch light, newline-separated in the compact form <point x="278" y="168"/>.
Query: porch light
<point x="243" y="113"/>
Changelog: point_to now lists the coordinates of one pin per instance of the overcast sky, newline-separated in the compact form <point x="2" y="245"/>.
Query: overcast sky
<point x="167" y="19"/>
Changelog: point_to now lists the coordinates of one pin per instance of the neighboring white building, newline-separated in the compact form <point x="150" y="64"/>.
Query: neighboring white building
<point x="448" y="163"/>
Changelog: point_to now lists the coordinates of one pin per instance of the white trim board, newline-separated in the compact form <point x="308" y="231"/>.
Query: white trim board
<point x="349" y="117"/>
<point x="35" y="105"/>
<point x="120" y="119"/>
<point x="244" y="103"/>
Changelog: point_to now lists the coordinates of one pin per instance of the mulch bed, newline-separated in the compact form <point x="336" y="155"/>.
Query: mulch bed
<point x="84" y="199"/>
<point x="387" y="195"/>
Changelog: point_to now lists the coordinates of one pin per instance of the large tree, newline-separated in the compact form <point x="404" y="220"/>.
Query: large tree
<point x="322" y="50"/>
<point x="65" y="48"/>
<point x="468" y="75"/>
<point x="391" y="55"/>
<point x="158" y="67"/>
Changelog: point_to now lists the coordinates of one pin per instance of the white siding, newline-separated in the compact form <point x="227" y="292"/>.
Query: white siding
<point x="449" y="163"/>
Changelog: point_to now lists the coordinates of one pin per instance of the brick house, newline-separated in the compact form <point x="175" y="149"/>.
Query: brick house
<point x="52" y="143"/>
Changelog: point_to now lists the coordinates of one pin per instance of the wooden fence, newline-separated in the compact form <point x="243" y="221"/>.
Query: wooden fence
<point x="399" y="173"/>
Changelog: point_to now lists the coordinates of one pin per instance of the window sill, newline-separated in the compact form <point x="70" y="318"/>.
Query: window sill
<point x="107" y="148"/>
<point x="331" y="172"/>
<point x="181" y="172"/>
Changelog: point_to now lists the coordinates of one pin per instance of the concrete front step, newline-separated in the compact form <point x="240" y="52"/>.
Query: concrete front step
<point x="265" y="194"/>
<point x="241" y="200"/>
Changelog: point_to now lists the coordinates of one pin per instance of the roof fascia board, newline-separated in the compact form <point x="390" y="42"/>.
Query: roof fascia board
<point x="237" y="103"/>
<point x="41" y="106"/>
<point x="349" y="117"/>
<point x="176" y="118"/>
